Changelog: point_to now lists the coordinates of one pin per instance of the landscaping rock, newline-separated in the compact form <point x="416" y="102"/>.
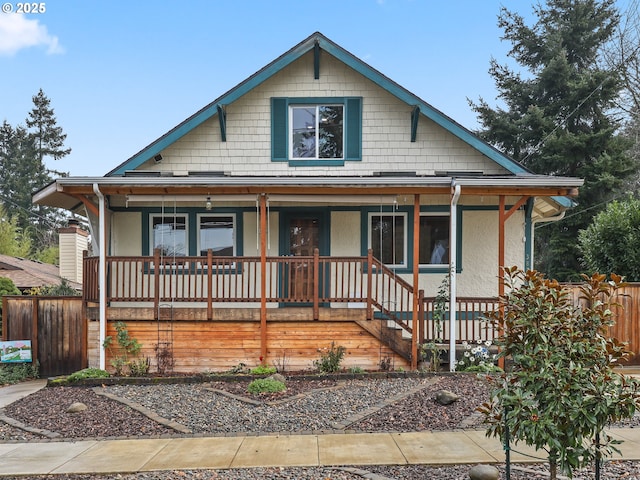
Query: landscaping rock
<point x="278" y="378"/>
<point x="445" y="397"/>
<point x="484" y="472"/>
<point x="76" y="407"/>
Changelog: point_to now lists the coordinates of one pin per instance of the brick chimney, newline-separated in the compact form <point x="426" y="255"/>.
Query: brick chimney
<point x="73" y="241"/>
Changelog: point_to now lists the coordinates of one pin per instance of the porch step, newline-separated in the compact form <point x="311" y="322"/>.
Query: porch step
<point x="390" y="336"/>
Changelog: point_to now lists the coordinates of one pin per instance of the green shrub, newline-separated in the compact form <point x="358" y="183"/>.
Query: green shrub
<point x="266" y="385"/>
<point x="17" y="372"/>
<point x="263" y="370"/>
<point x="87" y="373"/>
<point x="356" y="370"/>
<point x="139" y="367"/>
<point x="126" y="353"/>
<point x="330" y="359"/>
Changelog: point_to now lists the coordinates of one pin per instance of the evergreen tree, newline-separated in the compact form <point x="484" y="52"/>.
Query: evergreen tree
<point x="555" y="118"/>
<point x="48" y="136"/>
<point x="13" y="241"/>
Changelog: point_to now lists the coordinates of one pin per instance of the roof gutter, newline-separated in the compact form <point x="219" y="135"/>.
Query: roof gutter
<point x="453" y="255"/>
<point x="102" y="252"/>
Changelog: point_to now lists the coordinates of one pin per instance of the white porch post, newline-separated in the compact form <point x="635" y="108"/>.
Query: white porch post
<point x="102" y="268"/>
<point x="453" y="255"/>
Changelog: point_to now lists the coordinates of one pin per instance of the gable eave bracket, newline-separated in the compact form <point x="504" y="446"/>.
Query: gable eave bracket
<point x="222" y="120"/>
<point x="415" y="115"/>
<point x="316" y="61"/>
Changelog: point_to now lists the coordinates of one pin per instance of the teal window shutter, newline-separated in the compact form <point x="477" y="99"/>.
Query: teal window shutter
<point x="353" y="129"/>
<point x="279" y="133"/>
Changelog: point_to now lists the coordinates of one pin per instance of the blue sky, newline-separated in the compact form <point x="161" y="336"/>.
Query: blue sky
<point x="121" y="73"/>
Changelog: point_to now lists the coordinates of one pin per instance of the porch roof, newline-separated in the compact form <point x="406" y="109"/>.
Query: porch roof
<point x="72" y="192"/>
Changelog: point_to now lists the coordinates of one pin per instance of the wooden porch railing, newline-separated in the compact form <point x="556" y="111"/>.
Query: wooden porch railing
<point x="470" y="324"/>
<point x="303" y="280"/>
<point x="313" y="281"/>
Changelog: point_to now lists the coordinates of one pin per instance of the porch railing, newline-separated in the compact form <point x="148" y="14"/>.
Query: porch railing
<point x="314" y="281"/>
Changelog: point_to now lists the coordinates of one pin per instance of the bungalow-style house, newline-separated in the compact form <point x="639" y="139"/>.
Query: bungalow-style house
<point x="315" y="203"/>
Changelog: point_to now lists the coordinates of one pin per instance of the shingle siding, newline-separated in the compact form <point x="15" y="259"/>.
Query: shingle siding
<point x="386" y="131"/>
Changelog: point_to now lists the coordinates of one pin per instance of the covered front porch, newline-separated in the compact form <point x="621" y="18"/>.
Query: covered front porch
<point x="280" y="308"/>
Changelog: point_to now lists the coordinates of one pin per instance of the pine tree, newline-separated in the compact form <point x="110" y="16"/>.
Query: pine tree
<point x="555" y="118"/>
<point x="49" y="137"/>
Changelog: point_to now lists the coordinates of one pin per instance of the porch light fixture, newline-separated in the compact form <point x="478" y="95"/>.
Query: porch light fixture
<point x="208" y="205"/>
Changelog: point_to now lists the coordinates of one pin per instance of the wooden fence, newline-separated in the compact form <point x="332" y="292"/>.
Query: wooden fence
<point x="56" y="327"/>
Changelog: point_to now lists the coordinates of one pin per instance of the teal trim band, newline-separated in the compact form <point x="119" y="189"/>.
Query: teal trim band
<point x="316" y="163"/>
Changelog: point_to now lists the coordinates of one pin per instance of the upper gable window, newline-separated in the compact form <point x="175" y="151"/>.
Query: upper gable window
<point x="316" y="131"/>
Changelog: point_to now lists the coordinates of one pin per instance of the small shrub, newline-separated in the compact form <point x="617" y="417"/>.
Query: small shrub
<point x="240" y="368"/>
<point x="18" y="372"/>
<point x="263" y="370"/>
<point x="330" y="359"/>
<point x="87" y="373"/>
<point x="139" y="367"/>
<point x="128" y="347"/>
<point x="266" y="385"/>
<point x="356" y="370"/>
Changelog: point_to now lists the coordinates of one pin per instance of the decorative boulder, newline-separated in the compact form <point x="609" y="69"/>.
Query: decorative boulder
<point x="445" y="397"/>
<point x="76" y="407"/>
<point x="484" y="472"/>
<point x="278" y="378"/>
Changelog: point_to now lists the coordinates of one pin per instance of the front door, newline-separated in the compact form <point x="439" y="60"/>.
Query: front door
<point x="303" y="233"/>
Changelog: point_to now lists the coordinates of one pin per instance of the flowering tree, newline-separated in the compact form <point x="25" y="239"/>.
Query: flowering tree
<point x="561" y="390"/>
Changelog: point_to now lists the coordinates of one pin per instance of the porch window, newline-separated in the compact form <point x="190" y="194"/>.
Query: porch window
<point x="317" y="131"/>
<point x="434" y="239"/>
<point x="216" y="232"/>
<point x="388" y="239"/>
<point x="169" y="235"/>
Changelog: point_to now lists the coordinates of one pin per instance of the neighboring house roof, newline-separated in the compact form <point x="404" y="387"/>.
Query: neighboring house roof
<point x="26" y="273"/>
<point x="317" y="40"/>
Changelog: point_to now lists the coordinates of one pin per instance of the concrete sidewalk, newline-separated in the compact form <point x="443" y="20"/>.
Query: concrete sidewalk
<point x="120" y="456"/>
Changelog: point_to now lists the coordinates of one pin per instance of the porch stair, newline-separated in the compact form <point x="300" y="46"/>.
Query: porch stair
<point x="392" y="337"/>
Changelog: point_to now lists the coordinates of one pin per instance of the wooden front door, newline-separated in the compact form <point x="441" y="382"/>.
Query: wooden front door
<point x="304" y="238"/>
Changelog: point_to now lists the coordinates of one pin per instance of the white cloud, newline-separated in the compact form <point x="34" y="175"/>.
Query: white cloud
<point x="18" y="32"/>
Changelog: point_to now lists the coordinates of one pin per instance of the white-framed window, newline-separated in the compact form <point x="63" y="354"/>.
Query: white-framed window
<point x="434" y="239"/>
<point x="316" y="131"/>
<point x="388" y="237"/>
<point x="169" y="233"/>
<point x="218" y="233"/>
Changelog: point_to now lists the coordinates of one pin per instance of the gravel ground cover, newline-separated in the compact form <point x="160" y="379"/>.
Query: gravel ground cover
<point x="308" y="406"/>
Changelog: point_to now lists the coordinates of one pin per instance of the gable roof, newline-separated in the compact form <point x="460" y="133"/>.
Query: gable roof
<point x="317" y="40"/>
<point x="26" y="273"/>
